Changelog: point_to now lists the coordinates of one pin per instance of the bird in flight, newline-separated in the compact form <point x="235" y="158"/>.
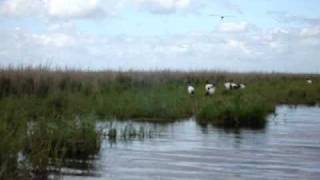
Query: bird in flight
<point x="220" y="16"/>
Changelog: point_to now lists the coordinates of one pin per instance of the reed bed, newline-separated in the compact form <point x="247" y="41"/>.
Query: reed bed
<point x="42" y="92"/>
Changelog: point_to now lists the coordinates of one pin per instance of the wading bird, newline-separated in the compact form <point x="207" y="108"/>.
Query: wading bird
<point x="210" y="88"/>
<point x="234" y="85"/>
<point x="242" y="85"/>
<point x="191" y="89"/>
<point x="227" y="85"/>
<point x="230" y="85"/>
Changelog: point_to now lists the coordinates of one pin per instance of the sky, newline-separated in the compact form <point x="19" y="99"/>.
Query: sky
<point x="255" y="35"/>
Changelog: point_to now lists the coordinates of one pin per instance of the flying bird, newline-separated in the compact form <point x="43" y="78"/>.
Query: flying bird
<point x="222" y="17"/>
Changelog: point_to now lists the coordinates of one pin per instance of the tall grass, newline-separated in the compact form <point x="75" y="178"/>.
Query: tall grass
<point x="29" y="148"/>
<point x="42" y="92"/>
<point x="237" y="111"/>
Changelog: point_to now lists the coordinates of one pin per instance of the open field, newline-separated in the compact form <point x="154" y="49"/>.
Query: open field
<point x="49" y="116"/>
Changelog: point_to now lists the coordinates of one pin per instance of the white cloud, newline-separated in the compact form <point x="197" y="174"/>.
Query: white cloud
<point x="233" y="27"/>
<point x="310" y="31"/>
<point x="69" y="9"/>
<point x="54" y="39"/>
<point x="72" y="8"/>
<point x="20" y="7"/>
<point x="277" y="49"/>
<point x="163" y="6"/>
<point x="236" y="44"/>
<point x="64" y="9"/>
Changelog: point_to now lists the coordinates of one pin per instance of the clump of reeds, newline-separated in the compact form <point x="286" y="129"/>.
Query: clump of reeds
<point x="236" y="111"/>
<point x="54" y="141"/>
<point x="30" y="148"/>
<point x="127" y="132"/>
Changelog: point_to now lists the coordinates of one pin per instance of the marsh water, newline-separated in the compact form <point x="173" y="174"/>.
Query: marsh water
<point x="287" y="148"/>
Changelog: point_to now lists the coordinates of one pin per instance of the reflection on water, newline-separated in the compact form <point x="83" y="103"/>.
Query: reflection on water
<point x="288" y="148"/>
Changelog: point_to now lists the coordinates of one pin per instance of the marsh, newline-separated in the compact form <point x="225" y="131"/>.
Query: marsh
<point x="49" y="118"/>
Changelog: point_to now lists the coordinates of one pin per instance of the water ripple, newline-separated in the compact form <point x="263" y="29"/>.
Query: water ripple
<point x="289" y="148"/>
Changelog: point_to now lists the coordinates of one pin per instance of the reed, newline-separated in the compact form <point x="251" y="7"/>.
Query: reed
<point x="42" y="92"/>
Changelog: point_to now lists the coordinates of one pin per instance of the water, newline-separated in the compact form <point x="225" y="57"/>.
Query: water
<point x="288" y="148"/>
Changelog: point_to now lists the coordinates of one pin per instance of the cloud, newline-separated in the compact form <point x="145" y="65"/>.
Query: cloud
<point x="254" y="49"/>
<point x="61" y="9"/>
<point x="19" y="8"/>
<point x="73" y="8"/>
<point x="311" y="31"/>
<point x="234" y="27"/>
<point x="284" y="17"/>
<point x="240" y="45"/>
<point x="171" y="6"/>
<point x="54" y="39"/>
<point x="163" y="6"/>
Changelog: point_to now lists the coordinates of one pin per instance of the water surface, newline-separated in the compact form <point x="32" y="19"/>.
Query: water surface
<point x="288" y="148"/>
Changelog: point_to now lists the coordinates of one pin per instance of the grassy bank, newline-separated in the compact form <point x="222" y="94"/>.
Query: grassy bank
<point x="48" y="116"/>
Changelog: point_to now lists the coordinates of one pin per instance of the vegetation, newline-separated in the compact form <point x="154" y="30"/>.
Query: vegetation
<point x="237" y="111"/>
<point x="48" y="116"/>
<point x="29" y="149"/>
<point x="41" y="93"/>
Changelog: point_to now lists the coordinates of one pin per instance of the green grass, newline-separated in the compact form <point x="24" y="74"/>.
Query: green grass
<point x="29" y="148"/>
<point x="55" y="141"/>
<point x="236" y="111"/>
<point x="49" y="115"/>
<point x="42" y="93"/>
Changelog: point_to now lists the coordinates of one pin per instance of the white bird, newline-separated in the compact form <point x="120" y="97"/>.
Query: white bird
<point x="234" y="85"/>
<point x="210" y="88"/>
<point x="309" y="81"/>
<point x="242" y="86"/>
<point x="227" y="85"/>
<point x="211" y="91"/>
<point x="191" y="90"/>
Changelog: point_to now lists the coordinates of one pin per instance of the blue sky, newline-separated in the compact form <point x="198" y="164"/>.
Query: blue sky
<point x="261" y="35"/>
